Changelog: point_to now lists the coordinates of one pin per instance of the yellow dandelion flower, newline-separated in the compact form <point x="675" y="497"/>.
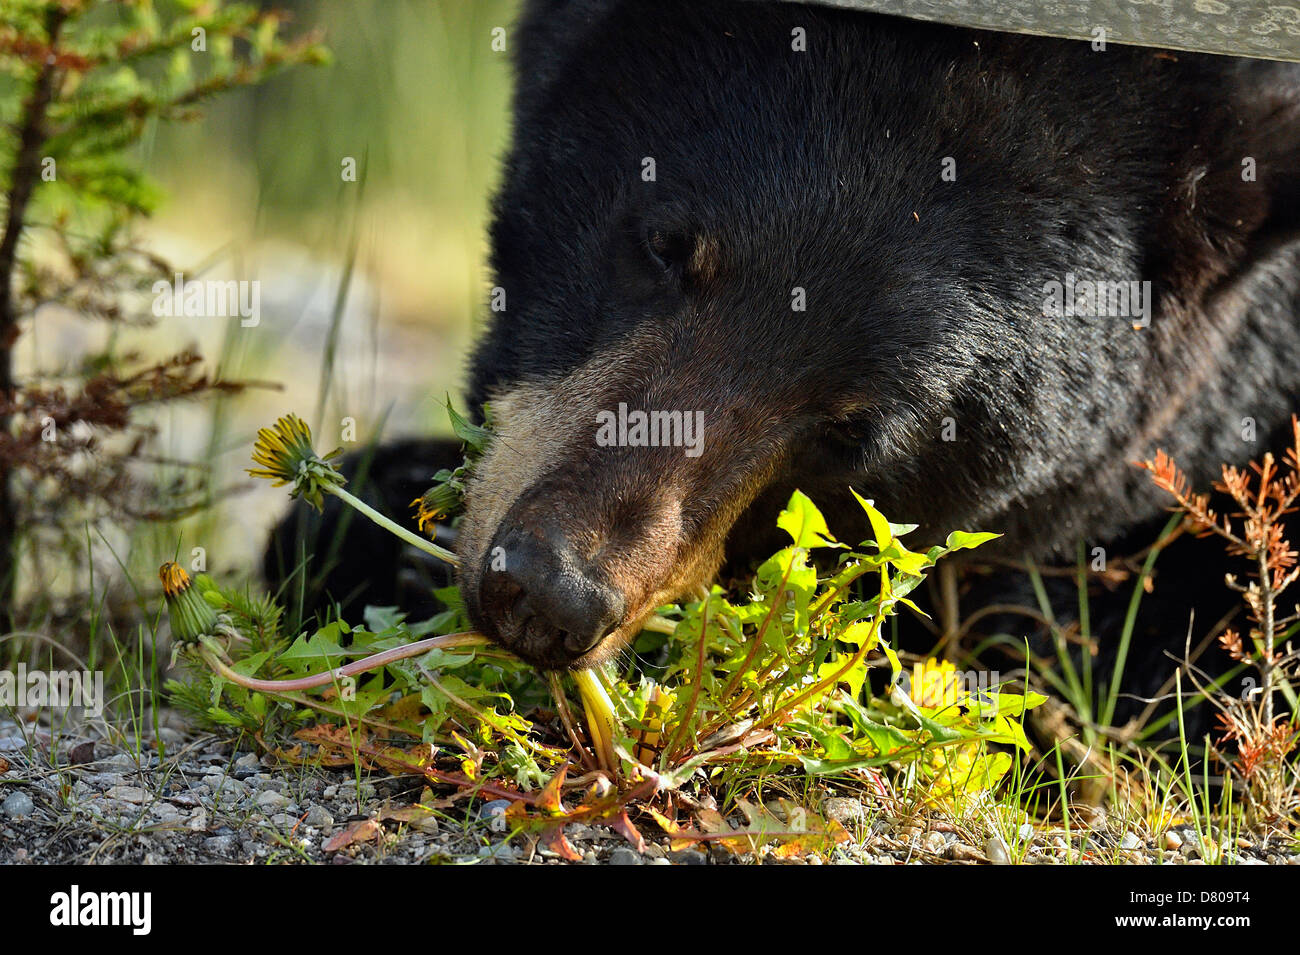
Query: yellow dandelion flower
<point x="174" y="579"/>
<point x="283" y="453"/>
<point x="936" y="684"/>
<point x="434" y="505"/>
<point x="285" y="456"/>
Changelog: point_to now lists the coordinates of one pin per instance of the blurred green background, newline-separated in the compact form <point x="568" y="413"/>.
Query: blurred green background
<point x="371" y="290"/>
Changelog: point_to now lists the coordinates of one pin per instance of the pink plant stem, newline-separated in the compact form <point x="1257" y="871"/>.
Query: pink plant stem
<point x="372" y="662"/>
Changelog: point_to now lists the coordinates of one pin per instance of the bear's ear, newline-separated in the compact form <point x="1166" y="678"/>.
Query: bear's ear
<point x="1236" y="190"/>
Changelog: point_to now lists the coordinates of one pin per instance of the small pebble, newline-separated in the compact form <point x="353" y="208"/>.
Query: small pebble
<point x="1173" y="840"/>
<point x="219" y="844"/>
<point x="957" y="851"/>
<point x="427" y="823"/>
<point x="318" y="817"/>
<point x="494" y="813"/>
<point x="350" y="791"/>
<point x="119" y="761"/>
<point x="18" y="805"/>
<point x="843" y="810"/>
<point x="1130" y="841"/>
<point x="996" y="850"/>
<point x="624" y="856"/>
<point x="270" y="801"/>
<point x="131" y="794"/>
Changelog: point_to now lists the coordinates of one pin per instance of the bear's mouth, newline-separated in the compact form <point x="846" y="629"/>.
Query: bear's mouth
<point x="569" y="542"/>
<point x="563" y="591"/>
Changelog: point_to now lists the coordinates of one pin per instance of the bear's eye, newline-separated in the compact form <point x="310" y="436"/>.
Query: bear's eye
<point x="670" y="251"/>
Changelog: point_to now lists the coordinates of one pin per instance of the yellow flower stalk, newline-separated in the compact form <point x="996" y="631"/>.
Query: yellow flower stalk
<point x="602" y="722"/>
<point x="649" y="739"/>
<point x="285" y="455"/>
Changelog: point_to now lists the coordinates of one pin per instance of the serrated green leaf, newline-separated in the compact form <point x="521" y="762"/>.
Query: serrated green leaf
<point x="805" y="524"/>
<point x="879" y="526"/>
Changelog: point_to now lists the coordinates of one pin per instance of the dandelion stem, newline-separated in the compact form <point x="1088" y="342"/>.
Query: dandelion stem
<point x="415" y="540"/>
<point x="374" y="661"/>
<point x="602" y="722"/>
<point x="566" y="717"/>
<point x="684" y="728"/>
<point x="659" y="624"/>
<point x="868" y="642"/>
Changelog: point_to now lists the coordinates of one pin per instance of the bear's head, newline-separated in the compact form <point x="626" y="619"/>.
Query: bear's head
<point x="744" y="247"/>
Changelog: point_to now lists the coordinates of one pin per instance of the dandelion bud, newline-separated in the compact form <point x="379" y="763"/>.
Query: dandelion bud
<point x="191" y="616"/>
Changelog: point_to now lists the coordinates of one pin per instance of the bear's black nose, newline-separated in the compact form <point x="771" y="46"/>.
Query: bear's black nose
<point x="540" y="600"/>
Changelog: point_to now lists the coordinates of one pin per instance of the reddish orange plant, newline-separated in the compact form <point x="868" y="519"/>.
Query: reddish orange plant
<point x="1264" y="493"/>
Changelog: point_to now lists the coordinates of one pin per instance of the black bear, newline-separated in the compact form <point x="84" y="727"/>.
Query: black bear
<point x="745" y="247"/>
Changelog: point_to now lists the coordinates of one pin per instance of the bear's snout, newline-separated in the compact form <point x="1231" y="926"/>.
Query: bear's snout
<point x="569" y="541"/>
<point x="566" y="575"/>
<point x="542" y="600"/>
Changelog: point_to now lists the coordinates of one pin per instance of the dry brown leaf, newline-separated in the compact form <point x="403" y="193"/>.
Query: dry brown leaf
<point x="366" y="830"/>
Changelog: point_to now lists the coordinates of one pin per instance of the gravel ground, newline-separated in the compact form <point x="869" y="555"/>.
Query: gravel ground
<point x="73" y="799"/>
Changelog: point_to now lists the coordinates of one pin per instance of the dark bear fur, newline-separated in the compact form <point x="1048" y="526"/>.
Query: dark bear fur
<point x="924" y="321"/>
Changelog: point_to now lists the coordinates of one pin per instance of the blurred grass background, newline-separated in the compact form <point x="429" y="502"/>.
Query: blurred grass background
<point x="370" y="290"/>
